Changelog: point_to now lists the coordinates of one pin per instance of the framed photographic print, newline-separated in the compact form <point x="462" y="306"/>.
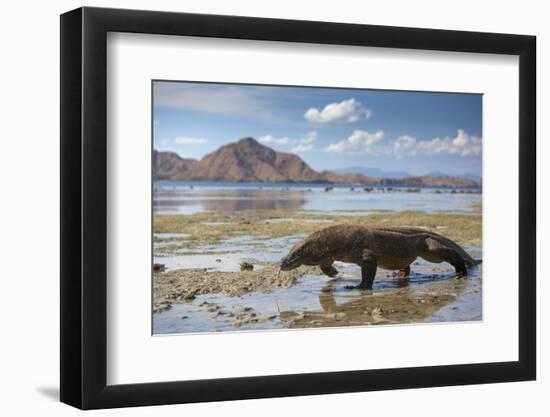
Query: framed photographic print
<point x="258" y="207"/>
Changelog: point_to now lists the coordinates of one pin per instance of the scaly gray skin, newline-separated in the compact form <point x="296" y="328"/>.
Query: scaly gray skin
<point x="393" y="248"/>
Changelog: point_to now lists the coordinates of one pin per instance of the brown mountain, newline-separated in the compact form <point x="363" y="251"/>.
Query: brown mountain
<point x="249" y="161"/>
<point x="170" y="166"/>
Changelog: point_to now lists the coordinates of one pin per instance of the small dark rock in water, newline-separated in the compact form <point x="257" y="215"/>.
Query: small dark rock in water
<point x="327" y="189"/>
<point x="184" y="317"/>
<point x="246" y="266"/>
<point x="369" y="189"/>
<point x="159" y="267"/>
<point x="223" y="313"/>
<point x="218" y="260"/>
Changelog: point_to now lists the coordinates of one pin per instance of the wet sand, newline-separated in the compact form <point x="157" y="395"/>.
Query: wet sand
<point x="218" y="230"/>
<point x="308" y="299"/>
<point x="204" y="290"/>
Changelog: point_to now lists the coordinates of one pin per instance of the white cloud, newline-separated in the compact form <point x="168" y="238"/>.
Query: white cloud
<point x="271" y="140"/>
<point x="187" y="140"/>
<point x="303" y="144"/>
<point x="302" y="148"/>
<point x="462" y="144"/>
<point x="358" y="141"/>
<point x="404" y="145"/>
<point x="349" y="110"/>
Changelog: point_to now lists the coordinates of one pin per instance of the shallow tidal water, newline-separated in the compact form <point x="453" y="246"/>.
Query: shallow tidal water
<point x="228" y="255"/>
<point x="189" y="198"/>
<point x="431" y="294"/>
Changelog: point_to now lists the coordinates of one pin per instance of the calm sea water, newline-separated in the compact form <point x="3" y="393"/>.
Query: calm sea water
<point x="193" y="197"/>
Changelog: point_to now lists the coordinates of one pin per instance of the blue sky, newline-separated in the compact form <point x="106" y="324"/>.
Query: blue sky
<point x="330" y="128"/>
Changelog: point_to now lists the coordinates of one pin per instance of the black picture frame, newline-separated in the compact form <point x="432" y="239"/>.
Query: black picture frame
<point x="84" y="207"/>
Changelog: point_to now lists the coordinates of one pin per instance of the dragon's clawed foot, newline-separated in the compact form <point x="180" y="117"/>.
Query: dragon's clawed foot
<point x="356" y="287"/>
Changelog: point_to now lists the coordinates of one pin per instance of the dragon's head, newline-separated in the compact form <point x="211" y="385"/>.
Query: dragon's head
<point x="303" y="253"/>
<point x="294" y="258"/>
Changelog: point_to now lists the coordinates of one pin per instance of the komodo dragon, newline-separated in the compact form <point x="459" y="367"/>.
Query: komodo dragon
<point x="393" y="248"/>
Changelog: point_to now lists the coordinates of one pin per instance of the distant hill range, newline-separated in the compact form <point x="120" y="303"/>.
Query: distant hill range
<point x="373" y="172"/>
<point x="380" y="173"/>
<point x="249" y="161"/>
<point x="468" y="176"/>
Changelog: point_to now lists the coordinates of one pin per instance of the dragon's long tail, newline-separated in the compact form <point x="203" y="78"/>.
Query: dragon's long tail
<point x="472" y="262"/>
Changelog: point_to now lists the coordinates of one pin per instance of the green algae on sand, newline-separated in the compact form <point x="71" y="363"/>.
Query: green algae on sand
<point x="463" y="228"/>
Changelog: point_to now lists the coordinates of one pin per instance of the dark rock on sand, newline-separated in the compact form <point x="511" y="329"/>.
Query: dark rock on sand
<point x="246" y="266"/>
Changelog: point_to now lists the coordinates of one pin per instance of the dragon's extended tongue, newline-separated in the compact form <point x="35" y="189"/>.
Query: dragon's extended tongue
<point x="278" y="272"/>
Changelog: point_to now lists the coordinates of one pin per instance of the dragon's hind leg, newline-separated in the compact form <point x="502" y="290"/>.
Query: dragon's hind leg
<point x="437" y="252"/>
<point x="404" y="273"/>
<point x="329" y="270"/>
<point x="455" y="260"/>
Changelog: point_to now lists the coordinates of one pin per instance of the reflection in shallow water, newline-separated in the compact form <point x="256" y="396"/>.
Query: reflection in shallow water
<point x="180" y="198"/>
<point x="187" y="201"/>
<point x="319" y="301"/>
<point x="398" y="302"/>
<point x="228" y="254"/>
<point x="432" y="293"/>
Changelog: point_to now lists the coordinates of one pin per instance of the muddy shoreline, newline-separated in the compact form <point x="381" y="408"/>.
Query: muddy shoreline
<point x="184" y="285"/>
<point x="204" y="289"/>
<point x="314" y="301"/>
